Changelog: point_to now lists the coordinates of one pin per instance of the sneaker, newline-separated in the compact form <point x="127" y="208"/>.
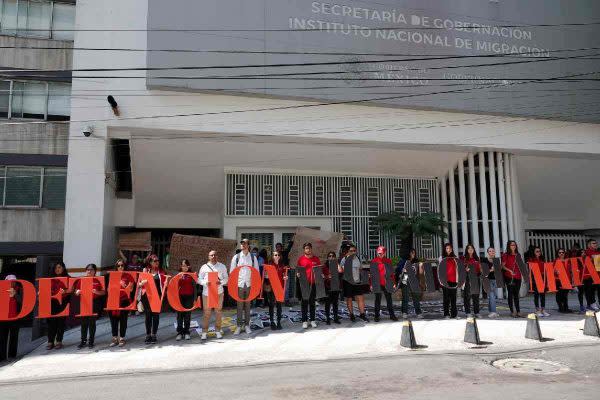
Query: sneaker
<point x="237" y="330"/>
<point x="121" y="342"/>
<point x="248" y="330"/>
<point x="447" y="317"/>
<point x="203" y="336"/>
<point x="595" y="307"/>
<point x="404" y="315"/>
<point x="219" y="335"/>
<point x="364" y="317"/>
<point x="49" y="346"/>
<point x="273" y="326"/>
<point x="393" y="318"/>
<point x="328" y="322"/>
<point x="279" y="327"/>
<point x="313" y="324"/>
<point x="420" y="316"/>
<point x="581" y="309"/>
<point x="178" y="337"/>
<point x="352" y="317"/>
<point x="153" y="339"/>
<point x="114" y="342"/>
<point x="337" y="321"/>
<point x="305" y="325"/>
<point x="376" y="319"/>
<point x="91" y="345"/>
<point x="81" y="344"/>
<point x="58" y="346"/>
<point x="148" y="339"/>
<point x="457" y="317"/>
<point x="545" y="314"/>
<point x="187" y="337"/>
<point x="492" y="315"/>
<point x="539" y="314"/>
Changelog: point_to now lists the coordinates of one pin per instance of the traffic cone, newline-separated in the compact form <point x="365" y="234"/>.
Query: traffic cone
<point x="590" y="328"/>
<point x="472" y="332"/>
<point x="408" y="336"/>
<point x="533" y="328"/>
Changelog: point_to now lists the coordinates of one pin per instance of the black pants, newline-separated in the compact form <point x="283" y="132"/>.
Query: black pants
<point x="513" y="295"/>
<point x="88" y="324"/>
<point x="588" y="291"/>
<point x="332" y="301"/>
<point x="56" y="326"/>
<point x="562" y="300"/>
<point x="9" y="339"/>
<point x="388" y="300"/>
<point x="184" y="317"/>
<point x="273" y="304"/>
<point x="118" y="323"/>
<point x="539" y="299"/>
<point x="469" y="298"/>
<point x="309" y="304"/>
<point x="152" y="319"/>
<point x="450" y="300"/>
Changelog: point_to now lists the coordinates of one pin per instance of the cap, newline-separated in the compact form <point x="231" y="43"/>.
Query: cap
<point x="10" y="278"/>
<point x="381" y="249"/>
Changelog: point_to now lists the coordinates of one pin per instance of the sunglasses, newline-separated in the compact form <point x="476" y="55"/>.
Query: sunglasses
<point x="275" y="255"/>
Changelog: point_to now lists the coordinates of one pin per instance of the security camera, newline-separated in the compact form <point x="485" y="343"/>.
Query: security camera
<point x="87" y="132"/>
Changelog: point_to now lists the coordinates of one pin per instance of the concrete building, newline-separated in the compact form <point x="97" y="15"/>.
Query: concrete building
<point x="251" y="152"/>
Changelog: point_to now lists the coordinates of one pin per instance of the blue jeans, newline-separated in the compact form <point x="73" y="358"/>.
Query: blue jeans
<point x="415" y="297"/>
<point x="492" y="295"/>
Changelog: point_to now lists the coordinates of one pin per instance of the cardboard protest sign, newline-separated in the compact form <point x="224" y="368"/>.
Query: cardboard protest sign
<point x="322" y="243"/>
<point x="412" y="277"/>
<point x="196" y="248"/>
<point x="485" y="282"/>
<point x="596" y="258"/>
<point x="473" y="280"/>
<point x="364" y="275"/>
<point x="375" y="283"/>
<point x="319" y="282"/>
<point x="389" y="280"/>
<point x="461" y="273"/>
<point x="498" y="272"/>
<point x="429" y="277"/>
<point x="135" y="241"/>
<point x="28" y="293"/>
<point x="303" y="282"/>
<point x="347" y="265"/>
<point x="334" y="282"/>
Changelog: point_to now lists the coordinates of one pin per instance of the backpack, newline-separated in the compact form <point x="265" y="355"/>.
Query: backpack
<point x="237" y="259"/>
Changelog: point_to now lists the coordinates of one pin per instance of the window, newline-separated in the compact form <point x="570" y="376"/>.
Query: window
<point x="424" y="200"/>
<point x="35" y="100"/>
<point x="319" y="200"/>
<point x="43" y="19"/>
<point x="240" y="199"/>
<point x="294" y="199"/>
<point x="268" y="199"/>
<point x="33" y="187"/>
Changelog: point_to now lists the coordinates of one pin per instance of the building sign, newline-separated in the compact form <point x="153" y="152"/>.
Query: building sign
<point x="511" y="57"/>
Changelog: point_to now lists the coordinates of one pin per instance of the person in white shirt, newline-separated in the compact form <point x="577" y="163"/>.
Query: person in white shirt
<point x="212" y="266"/>
<point x="244" y="260"/>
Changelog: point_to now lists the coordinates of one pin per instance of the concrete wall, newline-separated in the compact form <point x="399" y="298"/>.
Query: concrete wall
<point x="34" y="138"/>
<point x="27" y="225"/>
<point x="12" y="56"/>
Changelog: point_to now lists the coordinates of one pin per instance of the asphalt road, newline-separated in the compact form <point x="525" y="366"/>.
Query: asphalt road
<point x="416" y="375"/>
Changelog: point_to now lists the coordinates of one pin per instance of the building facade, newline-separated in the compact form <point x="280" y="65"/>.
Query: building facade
<point x="250" y="123"/>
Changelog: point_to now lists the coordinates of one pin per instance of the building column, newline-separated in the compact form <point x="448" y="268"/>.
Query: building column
<point x="473" y="203"/>
<point x="494" y="201"/>
<point x="463" y="206"/>
<point x="509" y="201"/>
<point x="484" y="202"/>
<point x="517" y="205"/>
<point x="453" y="221"/>
<point x="444" y="195"/>
<point x="501" y="187"/>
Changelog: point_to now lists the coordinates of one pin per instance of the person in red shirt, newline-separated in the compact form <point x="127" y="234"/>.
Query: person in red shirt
<point x="449" y="293"/>
<point x="118" y="319"/>
<point x="562" y="295"/>
<point x="332" y="299"/>
<point x="56" y="325"/>
<point x="277" y="262"/>
<point x="9" y="330"/>
<point x="539" y="293"/>
<point x="88" y="324"/>
<point x="471" y="260"/>
<point x="381" y="260"/>
<point x="512" y="277"/>
<point x="307" y="261"/>
<point x="592" y="251"/>
<point x="152" y="319"/>
<point x="187" y="288"/>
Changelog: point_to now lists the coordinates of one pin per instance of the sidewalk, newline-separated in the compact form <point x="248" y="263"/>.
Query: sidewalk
<point x="357" y="339"/>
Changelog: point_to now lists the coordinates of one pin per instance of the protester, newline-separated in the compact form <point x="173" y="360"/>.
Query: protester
<point x="135" y="264"/>
<point x="9" y="330"/>
<point x="277" y="262"/>
<point x="118" y="319"/>
<point x="539" y="293"/>
<point x="332" y="299"/>
<point x="512" y="277"/>
<point x="381" y="260"/>
<point x="56" y="325"/>
<point x="213" y="265"/>
<point x="562" y="295"/>
<point x="152" y="319"/>
<point x="471" y="261"/>
<point x="245" y="260"/>
<point x="307" y="261"/>
<point x="592" y="251"/>
<point x="402" y="280"/>
<point x="449" y="293"/>
<point x="492" y="295"/>
<point x="354" y="289"/>
<point x="88" y="324"/>
<point x="187" y="291"/>
<point x="588" y="283"/>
